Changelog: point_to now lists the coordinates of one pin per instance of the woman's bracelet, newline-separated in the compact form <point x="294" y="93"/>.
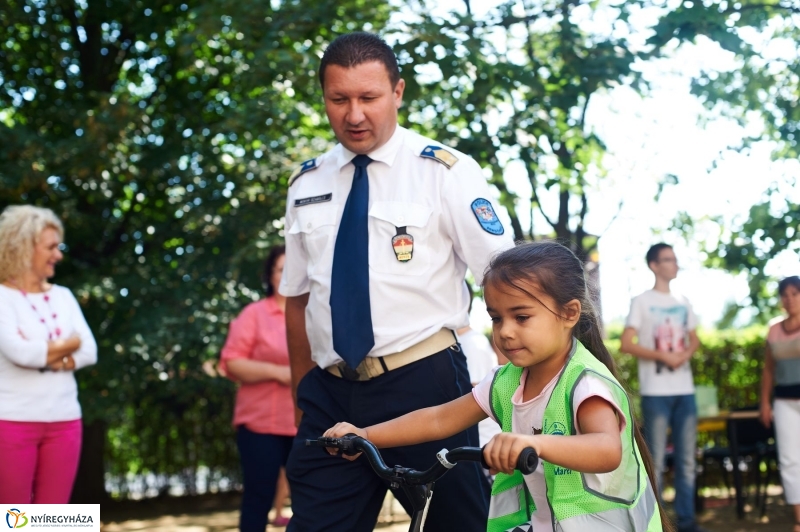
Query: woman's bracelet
<point x="64" y="362"/>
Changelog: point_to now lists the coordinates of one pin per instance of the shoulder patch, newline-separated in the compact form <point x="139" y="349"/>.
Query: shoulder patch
<point x="307" y="166"/>
<point x="484" y="212"/>
<point x="440" y="154"/>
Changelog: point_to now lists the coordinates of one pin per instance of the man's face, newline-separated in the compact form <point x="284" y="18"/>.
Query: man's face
<point x="362" y="105"/>
<point x="666" y="267"/>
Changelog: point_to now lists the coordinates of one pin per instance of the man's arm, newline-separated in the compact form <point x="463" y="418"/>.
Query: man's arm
<point x="300" y="360"/>
<point x="629" y="346"/>
<point x="694" y="344"/>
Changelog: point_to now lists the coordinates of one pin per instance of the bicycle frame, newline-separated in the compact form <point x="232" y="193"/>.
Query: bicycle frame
<point x="417" y="485"/>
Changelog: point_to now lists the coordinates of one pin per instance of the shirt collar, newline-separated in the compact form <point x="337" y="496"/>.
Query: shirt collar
<point x="385" y="154"/>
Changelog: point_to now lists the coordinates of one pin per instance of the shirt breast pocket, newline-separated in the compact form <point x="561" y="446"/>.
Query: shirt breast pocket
<point x="388" y="254"/>
<point x="316" y="226"/>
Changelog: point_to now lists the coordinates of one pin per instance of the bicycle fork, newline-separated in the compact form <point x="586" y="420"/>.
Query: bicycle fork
<point x="420" y="497"/>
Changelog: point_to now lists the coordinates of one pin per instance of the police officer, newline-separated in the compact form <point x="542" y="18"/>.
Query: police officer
<point x="379" y="233"/>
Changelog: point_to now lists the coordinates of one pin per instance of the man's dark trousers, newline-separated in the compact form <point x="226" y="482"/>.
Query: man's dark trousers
<point x="333" y="494"/>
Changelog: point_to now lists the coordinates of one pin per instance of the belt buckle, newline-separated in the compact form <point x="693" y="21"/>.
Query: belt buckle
<point x="348" y="373"/>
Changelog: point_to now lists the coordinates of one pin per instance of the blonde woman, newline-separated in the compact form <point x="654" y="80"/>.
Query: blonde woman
<point x="44" y="339"/>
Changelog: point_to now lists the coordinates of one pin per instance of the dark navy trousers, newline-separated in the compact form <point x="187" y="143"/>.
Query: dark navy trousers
<point x="332" y="494"/>
<point x="262" y="457"/>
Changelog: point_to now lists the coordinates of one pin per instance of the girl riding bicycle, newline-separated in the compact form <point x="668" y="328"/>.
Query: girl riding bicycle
<point x="559" y="394"/>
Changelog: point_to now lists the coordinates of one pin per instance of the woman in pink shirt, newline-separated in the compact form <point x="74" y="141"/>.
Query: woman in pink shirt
<point x="256" y="356"/>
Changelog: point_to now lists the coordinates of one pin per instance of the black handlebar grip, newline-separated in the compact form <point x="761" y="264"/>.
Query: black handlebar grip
<point x="528" y="461"/>
<point x="483" y="459"/>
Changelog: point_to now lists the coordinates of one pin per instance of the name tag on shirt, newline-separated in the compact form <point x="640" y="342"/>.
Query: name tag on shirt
<point x="313" y="199"/>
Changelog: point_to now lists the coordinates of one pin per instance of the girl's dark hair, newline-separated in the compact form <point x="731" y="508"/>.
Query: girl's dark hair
<point x="269" y="264"/>
<point x="787" y="282"/>
<point x="559" y="273"/>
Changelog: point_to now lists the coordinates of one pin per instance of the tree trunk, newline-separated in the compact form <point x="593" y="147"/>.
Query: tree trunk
<point x="90" y="483"/>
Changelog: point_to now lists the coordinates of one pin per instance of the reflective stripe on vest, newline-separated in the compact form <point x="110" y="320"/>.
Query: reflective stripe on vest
<point x="627" y="501"/>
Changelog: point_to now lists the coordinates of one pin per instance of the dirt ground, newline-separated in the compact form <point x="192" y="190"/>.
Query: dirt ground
<point x="219" y="513"/>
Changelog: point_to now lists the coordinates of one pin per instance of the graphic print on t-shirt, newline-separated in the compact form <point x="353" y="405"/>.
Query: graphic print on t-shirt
<point x="669" y="331"/>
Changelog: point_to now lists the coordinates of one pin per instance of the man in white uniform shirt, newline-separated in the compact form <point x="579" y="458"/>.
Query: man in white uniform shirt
<point x="663" y="325"/>
<point x="380" y="231"/>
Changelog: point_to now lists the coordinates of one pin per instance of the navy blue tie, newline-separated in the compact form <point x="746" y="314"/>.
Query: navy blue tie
<point x="351" y="315"/>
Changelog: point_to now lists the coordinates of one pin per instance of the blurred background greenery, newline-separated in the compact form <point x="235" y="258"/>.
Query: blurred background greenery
<point x="163" y="134"/>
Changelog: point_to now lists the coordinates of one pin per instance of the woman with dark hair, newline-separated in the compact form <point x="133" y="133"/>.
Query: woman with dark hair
<point x="256" y="356"/>
<point x="781" y="379"/>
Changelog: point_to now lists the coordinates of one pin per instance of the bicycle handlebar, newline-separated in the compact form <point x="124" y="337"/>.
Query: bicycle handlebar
<point x="352" y="444"/>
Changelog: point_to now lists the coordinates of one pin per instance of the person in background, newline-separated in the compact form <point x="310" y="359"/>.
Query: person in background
<point x="660" y="332"/>
<point x="481" y="360"/>
<point x="255" y="355"/>
<point x="781" y="380"/>
<point x="44" y="339"/>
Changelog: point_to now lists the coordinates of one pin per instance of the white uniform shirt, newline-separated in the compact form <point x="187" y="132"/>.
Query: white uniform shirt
<point x="25" y="393"/>
<point x="410" y="301"/>
<point x="663" y="323"/>
<point x="481" y="360"/>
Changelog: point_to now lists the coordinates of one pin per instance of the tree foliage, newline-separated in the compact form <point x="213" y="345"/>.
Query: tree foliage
<point x="163" y="134"/>
<point x="764" y="88"/>
<point x="511" y="89"/>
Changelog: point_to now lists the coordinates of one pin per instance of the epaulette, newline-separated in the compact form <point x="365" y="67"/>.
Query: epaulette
<point x="437" y="153"/>
<point x="307" y="166"/>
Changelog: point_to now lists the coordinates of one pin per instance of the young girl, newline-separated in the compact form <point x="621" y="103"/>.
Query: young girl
<point x="559" y="394"/>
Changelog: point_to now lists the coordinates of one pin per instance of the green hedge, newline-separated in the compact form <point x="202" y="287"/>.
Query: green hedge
<point x="174" y="430"/>
<point x="731" y="360"/>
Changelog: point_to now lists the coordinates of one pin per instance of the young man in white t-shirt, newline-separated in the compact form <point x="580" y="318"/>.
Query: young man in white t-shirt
<point x="660" y="332"/>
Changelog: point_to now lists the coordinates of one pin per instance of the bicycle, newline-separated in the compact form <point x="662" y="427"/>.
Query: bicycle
<point x="418" y="485"/>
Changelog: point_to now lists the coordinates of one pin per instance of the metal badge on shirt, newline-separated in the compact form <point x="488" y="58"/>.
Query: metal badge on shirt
<point x="403" y="245"/>
<point x="486" y="216"/>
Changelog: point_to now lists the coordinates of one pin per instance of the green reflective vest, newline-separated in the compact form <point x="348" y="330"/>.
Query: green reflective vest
<point x="627" y="502"/>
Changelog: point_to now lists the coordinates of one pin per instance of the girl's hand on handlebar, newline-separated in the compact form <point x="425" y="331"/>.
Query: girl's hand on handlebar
<point x="343" y="429"/>
<point x="502" y="451"/>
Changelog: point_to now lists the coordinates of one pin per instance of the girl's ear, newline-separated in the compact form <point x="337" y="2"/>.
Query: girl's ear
<point x="572" y="312"/>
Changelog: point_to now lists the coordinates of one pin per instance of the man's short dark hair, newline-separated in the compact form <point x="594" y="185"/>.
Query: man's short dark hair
<point x="352" y="49"/>
<point x="655" y="251"/>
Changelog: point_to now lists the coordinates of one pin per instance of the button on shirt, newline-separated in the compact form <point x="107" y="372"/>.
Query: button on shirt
<point x="410" y="300"/>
